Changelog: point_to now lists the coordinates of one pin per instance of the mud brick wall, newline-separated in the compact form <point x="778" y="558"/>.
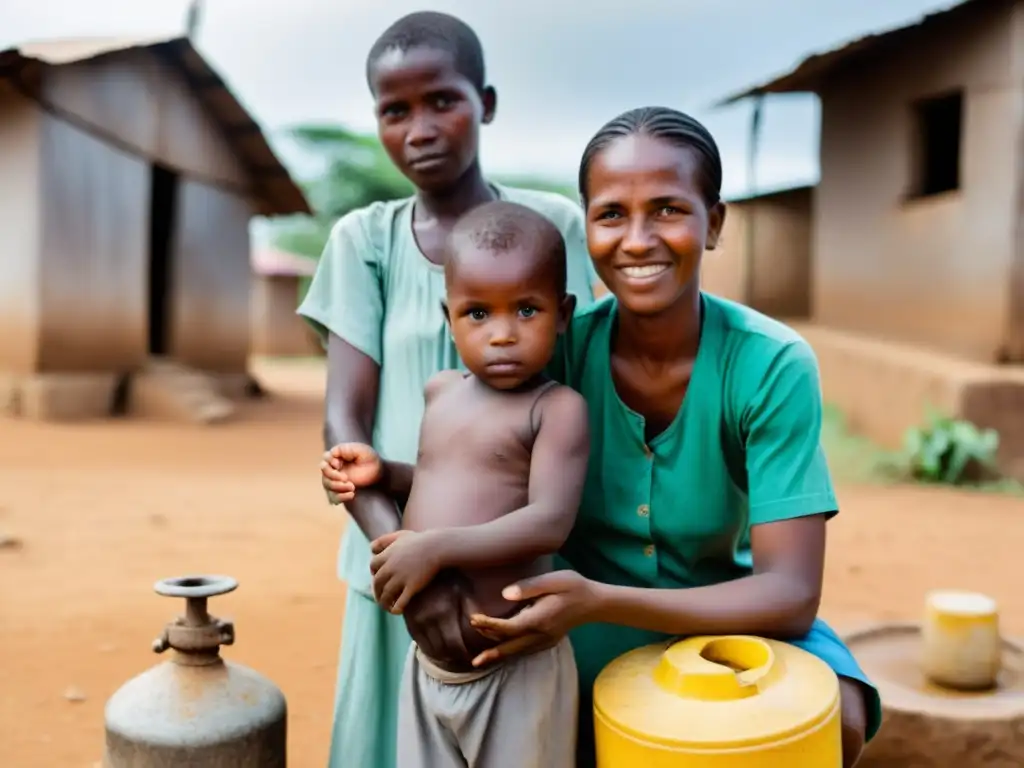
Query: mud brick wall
<point x="884" y="388"/>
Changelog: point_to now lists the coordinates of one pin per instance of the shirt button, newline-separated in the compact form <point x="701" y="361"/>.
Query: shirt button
<point x="649" y="550"/>
<point x="643" y="510"/>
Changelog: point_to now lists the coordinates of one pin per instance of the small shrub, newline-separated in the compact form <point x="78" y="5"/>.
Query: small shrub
<point x="950" y="451"/>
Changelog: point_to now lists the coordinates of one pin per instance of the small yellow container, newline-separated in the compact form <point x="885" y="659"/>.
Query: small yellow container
<point x="718" y="702"/>
<point x="961" y="647"/>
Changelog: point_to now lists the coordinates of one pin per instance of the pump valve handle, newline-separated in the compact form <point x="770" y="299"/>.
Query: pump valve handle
<point x="197" y="631"/>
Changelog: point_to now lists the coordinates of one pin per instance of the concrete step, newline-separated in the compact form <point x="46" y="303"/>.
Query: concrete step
<point x="884" y="388"/>
<point x="169" y="391"/>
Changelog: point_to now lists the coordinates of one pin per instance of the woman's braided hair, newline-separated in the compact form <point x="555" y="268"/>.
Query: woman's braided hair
<point x="668" y="125"/>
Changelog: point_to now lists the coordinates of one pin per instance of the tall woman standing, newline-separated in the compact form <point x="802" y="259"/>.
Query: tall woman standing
<point x="376" y="302"/>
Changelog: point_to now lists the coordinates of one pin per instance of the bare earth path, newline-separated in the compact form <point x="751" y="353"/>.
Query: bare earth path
<point x="104" y="510"/>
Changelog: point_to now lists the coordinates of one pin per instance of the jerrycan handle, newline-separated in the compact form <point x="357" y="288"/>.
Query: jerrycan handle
<point x="715" y="669"/>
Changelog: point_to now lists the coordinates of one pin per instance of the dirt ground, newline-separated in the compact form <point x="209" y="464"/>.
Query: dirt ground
<point x="103" y="510"/>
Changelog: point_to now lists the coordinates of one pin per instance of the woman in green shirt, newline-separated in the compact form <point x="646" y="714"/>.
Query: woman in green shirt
<point x="707" y="492"/>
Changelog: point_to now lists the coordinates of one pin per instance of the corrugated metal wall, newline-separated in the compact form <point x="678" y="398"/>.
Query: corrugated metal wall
<point x="19" y="232"/>
<point x="139" y="98"/>
<point x="210" y="306"/>
<point x="93" y="253"/>
<point x="94" y="250"/>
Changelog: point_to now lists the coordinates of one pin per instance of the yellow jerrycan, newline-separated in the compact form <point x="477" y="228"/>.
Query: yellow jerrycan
<point x="718" y="702"/>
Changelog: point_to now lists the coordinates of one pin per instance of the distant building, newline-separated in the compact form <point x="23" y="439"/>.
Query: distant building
<point x="763" y="258"/>
<point x="276" y="330"/>
<point x="917" y="220"/>
<point x="128" y="177"/>
<point x="917" y="223"/>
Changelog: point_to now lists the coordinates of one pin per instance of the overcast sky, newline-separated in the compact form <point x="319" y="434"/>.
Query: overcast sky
<point x="561" y="67"/>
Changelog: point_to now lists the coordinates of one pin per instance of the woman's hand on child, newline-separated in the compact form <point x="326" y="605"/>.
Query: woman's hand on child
<point x="403" y="563"/>
<point x="348" y="466"/>
<point x="560" y="601"/>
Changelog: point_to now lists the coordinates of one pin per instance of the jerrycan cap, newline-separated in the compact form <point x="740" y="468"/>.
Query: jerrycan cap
<point x="723" y="669"/>
<point x="711" y="693"/>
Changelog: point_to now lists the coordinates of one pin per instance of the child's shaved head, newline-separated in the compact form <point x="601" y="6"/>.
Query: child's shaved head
<point x="501" y="229"/>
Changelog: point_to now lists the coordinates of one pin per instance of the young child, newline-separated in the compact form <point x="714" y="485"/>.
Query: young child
<point x="494" y="493"/>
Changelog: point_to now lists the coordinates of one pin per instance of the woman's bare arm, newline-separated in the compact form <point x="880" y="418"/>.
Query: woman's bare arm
<point x="780" y="599"/>
<point x="353" y="382"/>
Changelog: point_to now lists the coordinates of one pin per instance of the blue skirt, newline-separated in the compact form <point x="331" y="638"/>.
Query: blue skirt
<point x="826" y="645"/>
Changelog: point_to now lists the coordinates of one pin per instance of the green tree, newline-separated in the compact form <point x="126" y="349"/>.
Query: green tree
<point x="355" y="171"/>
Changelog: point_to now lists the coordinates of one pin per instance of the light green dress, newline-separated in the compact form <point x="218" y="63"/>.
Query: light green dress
<point x="374" y="289"/>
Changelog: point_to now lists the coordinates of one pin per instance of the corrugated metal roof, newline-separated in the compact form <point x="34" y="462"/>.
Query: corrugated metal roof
<point x="275" y="190"/>
<point x="809" y="73"/>
<point x="268" y="262"/>
<point x="68" y="51"/>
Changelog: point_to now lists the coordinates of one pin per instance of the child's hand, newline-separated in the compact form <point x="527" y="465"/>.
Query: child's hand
<point x="339" y="488"/>
<point x="348" y="466"/>
<point x="403" y="563"/>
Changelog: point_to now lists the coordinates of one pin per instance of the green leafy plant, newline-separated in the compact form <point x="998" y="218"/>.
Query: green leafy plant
<point x="950" y="451"/>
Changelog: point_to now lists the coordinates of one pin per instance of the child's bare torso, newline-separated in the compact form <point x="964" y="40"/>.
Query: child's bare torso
<point x="473" y="466"/>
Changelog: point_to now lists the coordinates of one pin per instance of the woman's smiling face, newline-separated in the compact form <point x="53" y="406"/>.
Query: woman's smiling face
<point x="648" y="223"/>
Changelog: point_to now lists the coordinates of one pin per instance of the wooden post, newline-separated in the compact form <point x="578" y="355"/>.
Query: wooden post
<point x="195" y="13"/>
<point x="751" y="238"/>
<point x="1012" y="348"/>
